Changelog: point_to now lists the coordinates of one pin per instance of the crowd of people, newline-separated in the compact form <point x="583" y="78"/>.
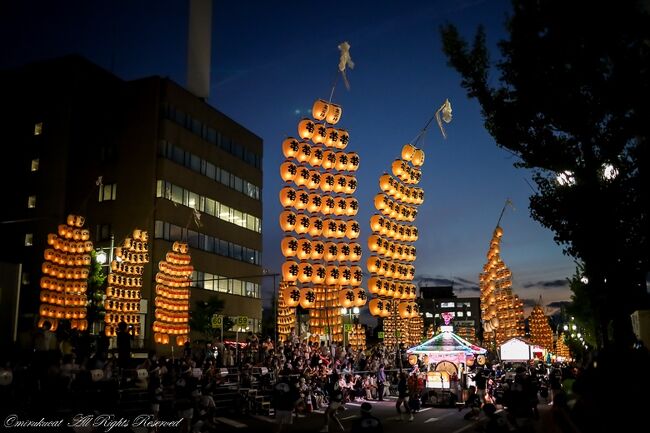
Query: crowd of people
<point x="300" y="376"/>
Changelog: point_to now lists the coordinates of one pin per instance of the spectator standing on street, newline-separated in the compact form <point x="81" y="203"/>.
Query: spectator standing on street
<point x="381" y="379"/>
<point x="336" y="401"/>
<point x="403" y="397"/>
<point x="285" y="399"/>
<point x="123" y="345"/>
<point x="481" y="384"/>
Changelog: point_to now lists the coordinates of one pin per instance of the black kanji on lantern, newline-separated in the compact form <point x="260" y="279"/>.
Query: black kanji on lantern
<point x="306" y="149"/>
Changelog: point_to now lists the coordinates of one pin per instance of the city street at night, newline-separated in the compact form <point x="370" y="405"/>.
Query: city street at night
<point x="298" y="216"/>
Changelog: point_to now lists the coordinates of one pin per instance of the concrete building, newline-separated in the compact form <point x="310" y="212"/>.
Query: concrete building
<point x="465" y="312"/>
<point x="143" y="154"/>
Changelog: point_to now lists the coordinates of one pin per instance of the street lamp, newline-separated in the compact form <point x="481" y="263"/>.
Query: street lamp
<point x="349" y="312"/>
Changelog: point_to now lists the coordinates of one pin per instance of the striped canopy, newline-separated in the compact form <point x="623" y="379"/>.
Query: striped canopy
<point x="447" y="342"/>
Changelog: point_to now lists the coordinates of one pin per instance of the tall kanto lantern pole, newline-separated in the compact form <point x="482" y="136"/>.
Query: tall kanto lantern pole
<point x="123" y="293"/>
<point x="540" y="330"/>
<point x="173" y="281"/>
<point x="65" y="275"/>
<point x="321" y="271"/>
<point x="502" y="312"/>
<point x="392" y="247"/>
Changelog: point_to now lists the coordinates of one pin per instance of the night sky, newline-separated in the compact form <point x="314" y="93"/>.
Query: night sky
<point x="271" y="60"/>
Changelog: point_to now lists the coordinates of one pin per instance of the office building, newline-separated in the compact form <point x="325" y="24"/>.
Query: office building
<point x="144" y="154"/>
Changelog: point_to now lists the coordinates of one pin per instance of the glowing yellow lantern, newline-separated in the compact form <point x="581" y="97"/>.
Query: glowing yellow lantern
<point x="290" y="147"/>
<point x="288" y="171"/>
<point x="319" y="109"/>
<point x="334" y="114"/>
<point x="288" y="220"/>
<point x="306" y="129"/>
<point x="290" y="271"/>
<point x="346" y="298"/>
<point x="408" y="150"/>
<point x="307" y="298"/>
<point x="418" y="158"/>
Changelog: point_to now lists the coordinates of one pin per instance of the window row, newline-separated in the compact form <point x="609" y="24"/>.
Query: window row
<point x="195" y="163"/>
<point x="171" y="232"/>
<point x="211" y="135"/>
<point x="207" y="281"/>
<point x="190" y="199"/>
<point x="455" y="305"/>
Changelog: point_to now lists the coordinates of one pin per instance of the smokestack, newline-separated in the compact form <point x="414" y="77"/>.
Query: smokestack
<point x="199" y="43"/>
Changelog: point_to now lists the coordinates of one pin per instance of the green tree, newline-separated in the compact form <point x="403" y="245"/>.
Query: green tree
<point x="201" y="318"/>
<point x="582" y="307"/>
<point x="573" y="99"/>
<point x="96" y="291"/>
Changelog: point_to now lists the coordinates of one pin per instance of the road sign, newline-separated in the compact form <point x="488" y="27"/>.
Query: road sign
<point x="380" y="335"/>
<point x="217" y="321"/>
<point x="398" y="334"/>
<point x="347" y="327"/>
<point x="242" y="321"/>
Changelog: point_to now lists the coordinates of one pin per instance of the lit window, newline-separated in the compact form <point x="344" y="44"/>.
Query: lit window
<point x="107" y="192"/>
<point x="29" y="239"/>
<point x="31" y="201"/>
<point x="25" y="278"/>
<point x="446" y="305"/>
<point x="460" y="314"/>
<point x="468" y="313"/>
<point x="38" y="128"/>
<point x="35" y="164"/>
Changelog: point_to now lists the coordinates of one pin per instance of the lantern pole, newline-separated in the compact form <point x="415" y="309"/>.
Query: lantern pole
<point x="505" y="205"/>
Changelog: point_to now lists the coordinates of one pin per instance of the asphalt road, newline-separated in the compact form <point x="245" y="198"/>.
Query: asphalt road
<point x="428" y="419"/>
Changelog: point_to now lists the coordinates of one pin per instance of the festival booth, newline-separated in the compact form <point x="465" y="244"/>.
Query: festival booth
<point x="446" y="357"/>
<point x="519" y="349"/>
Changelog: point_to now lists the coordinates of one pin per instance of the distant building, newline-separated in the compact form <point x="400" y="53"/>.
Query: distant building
<point x="161" y="154"/>
<point x="466" y="312"/>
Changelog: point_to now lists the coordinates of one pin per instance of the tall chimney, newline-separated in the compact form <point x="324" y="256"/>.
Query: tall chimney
<point x="199" y="42"/>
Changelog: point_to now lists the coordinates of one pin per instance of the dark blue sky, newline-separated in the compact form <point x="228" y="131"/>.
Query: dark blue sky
<point x="271" y="60"/>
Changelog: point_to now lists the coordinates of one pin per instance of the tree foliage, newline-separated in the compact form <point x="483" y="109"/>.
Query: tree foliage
<point x="95" y="291"/>
<point x="573" y="96"/>
<point x="201" y="318"/>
